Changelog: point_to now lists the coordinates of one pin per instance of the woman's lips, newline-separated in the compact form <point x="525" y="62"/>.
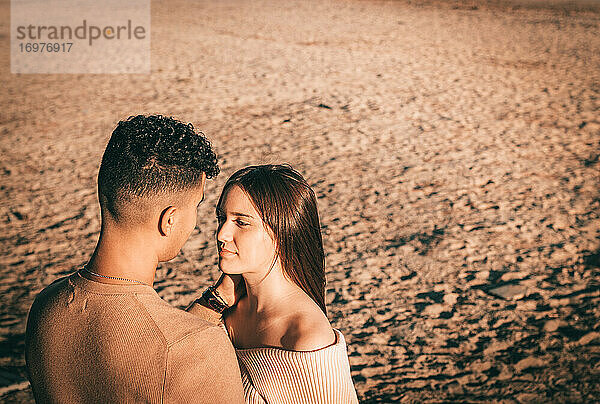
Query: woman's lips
<point x="224" y="252"/>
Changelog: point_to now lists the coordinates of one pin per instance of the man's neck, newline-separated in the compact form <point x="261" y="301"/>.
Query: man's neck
<point x="125" y="256"/>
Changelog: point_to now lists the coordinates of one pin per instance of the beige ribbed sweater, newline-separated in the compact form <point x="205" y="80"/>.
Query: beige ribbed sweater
<point x="90" y="342"/>
<point x="274" y="375"/>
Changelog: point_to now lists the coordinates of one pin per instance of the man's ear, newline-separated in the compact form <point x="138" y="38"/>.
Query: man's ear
<point x="166" y="222"/>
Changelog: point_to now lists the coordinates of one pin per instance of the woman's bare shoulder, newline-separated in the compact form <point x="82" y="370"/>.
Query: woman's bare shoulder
<point x="308" y="331"/>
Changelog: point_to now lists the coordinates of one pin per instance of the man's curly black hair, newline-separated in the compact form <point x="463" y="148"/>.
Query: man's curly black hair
<point x="152" y="155"/>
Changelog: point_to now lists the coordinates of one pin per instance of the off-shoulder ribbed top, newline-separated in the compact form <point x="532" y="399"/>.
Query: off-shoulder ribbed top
<point x="276" y="375"/>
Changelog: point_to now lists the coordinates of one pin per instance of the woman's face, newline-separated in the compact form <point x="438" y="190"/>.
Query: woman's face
<point x="245" y="245"/>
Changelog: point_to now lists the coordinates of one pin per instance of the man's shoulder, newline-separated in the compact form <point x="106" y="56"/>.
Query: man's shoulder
<point x="54" y="290"/>
<point x="176" y="324"/>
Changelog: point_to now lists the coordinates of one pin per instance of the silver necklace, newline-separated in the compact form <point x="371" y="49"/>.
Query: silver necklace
<point x="85" y="268"/>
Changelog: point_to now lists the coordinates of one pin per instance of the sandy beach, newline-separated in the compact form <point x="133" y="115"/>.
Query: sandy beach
<point x="454" y="147"/>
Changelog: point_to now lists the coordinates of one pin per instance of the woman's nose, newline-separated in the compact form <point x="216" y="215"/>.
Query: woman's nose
<point x="224" y="232"/>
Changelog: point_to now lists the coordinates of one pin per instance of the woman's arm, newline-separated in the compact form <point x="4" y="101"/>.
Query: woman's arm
<point x="229" y="289"/>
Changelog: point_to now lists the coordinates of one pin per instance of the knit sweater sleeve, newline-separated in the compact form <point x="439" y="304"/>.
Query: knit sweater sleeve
<point x="202" y="369"/>
<point x="203" y="312"/>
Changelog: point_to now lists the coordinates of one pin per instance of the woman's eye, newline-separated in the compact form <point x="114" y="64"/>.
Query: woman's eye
<point x="241" y="223"/>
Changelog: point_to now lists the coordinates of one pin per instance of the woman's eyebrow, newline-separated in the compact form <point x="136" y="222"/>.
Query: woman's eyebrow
<point x="220" y="211"/>
<point x="242" y="214"/>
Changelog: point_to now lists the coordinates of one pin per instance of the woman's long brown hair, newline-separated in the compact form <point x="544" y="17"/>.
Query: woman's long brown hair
<point x="288" y="206"/>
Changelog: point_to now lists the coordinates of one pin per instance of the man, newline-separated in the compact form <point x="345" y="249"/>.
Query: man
<point x="102" y="334"/>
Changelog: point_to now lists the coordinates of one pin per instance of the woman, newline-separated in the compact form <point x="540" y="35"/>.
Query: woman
<point x="272" y="291"/>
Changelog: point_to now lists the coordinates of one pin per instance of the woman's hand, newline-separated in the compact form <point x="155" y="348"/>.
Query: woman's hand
<point x="231" y="288"/>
